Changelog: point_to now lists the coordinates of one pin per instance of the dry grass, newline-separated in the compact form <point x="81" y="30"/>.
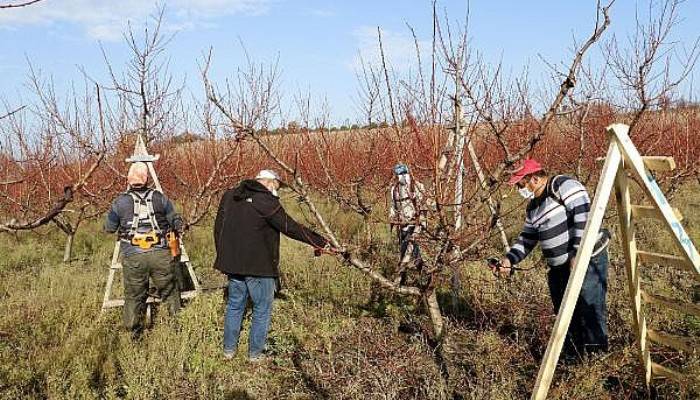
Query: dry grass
<point x="328" y="339"/>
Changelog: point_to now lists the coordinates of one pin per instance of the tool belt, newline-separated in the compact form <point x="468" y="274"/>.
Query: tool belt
<point x="144" y="240"/>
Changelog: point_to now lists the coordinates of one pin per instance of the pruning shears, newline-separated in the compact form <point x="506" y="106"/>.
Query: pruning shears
<point x="495" y="264"/>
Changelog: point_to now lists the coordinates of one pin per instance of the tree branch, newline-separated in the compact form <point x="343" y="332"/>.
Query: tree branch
<point x="18" y="5"/>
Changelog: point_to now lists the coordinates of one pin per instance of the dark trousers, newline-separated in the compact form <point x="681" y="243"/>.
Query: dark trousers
<point x="588" y="331"/>
<point x="138" y="268"/>
<point x="404" y="240"/>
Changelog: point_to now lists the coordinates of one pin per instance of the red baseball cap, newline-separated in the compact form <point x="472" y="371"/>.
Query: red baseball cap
<point x="529" y="166"/>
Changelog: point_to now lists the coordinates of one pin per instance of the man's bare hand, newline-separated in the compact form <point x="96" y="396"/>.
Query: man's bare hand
<point x="503" y="269"/>
<point x="327" y="249"/>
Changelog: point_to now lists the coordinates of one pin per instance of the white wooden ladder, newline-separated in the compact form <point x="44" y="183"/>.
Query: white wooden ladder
<point x="624" y="159"/>
<point x="141" y="155"/>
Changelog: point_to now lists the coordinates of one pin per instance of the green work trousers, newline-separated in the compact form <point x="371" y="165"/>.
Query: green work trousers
<point x="157" y="265"/>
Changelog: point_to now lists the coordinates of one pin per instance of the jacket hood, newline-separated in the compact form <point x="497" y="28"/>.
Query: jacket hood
<point x="247" y="188"/>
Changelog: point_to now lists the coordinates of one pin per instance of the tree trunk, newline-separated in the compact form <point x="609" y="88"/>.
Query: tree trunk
<point x="435" y="315"/>
<point x="68" y="250"/>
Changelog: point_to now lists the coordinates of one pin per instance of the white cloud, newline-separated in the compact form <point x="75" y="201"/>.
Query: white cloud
<point x="399" y="49"/>
<point x="107" y="19"/>
<point x="321" y="12"/>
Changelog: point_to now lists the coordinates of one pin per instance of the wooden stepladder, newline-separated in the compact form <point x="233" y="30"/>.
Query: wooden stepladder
<point x="623" y="159"/>
<point x="141" y="155"/>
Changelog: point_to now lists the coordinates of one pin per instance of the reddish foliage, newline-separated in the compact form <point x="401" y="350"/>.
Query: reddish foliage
<point x="361" y="156"/>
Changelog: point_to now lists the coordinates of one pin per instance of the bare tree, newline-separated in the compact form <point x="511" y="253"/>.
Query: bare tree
<point x="147" y="92"/>
<point x="442" y="244"/>
<point x="644" y="67"/>
<point x="650" y="69"/>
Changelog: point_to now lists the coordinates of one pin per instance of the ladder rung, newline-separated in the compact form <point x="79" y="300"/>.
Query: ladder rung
<point x="663" y="259"/>
<point x="639" y="212"/>
<point x="663" y="372"/>
<point x="143" y="158"/>
<point x="116" y="266"/>
<point x="659" y="163"/>
<point x="113" y="303"/>
<point x="675" y="342"/>
<point x="188" y="294"/>
<point x="120" y="302"/>
<point x="653" y="163"/>
<point x="680" y="306"/>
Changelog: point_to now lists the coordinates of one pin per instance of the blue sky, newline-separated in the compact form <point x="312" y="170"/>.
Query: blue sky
<point x="317" y="41"/>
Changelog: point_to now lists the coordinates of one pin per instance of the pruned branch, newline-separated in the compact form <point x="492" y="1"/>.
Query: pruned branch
<point x="10" y="113"/>
<point x="18" y="5"/>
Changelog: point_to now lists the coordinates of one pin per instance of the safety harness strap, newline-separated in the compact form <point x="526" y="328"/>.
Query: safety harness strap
<point x="138" y="209"/>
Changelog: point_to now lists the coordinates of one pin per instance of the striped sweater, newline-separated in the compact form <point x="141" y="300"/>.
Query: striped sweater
<point x="556" y="219"/>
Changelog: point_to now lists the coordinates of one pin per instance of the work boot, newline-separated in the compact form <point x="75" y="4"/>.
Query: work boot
<point x="136" y="335"/>
<point x="229" y="354"/>
<point x="260" y="358"/>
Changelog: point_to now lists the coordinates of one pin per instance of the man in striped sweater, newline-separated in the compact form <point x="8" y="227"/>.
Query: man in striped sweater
<point x="555" y="218"/>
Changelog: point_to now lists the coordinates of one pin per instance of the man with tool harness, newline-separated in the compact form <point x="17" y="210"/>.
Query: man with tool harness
<point x="407" y="213"/>
<point x="143" y="217"/>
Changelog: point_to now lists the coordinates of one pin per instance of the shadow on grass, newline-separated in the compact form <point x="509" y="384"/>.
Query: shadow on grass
<point x="238" y="394"/>
<point x="99" y="378"/>
<point x="298" y="356"/>
<point x="462" y="310"/>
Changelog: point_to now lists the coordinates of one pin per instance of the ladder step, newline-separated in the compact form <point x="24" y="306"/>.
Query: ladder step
<point x="675" y="342"/>
<point x="653" y="163"/>
<point x="680" y="306"/>
<point x="640" y="212"/>
<point x="659" y="163"/>
<point x="116" y="266"/>
<point x="113" y="303"/>
<point x="659" y="371"/>
<point x="143" y="158"/>
<point x="120" y="302"/>
<point x="647" y="257"/>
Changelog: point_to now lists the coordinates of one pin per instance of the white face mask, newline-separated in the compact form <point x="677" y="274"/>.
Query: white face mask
<point x="404" y="179"/>
<point x="274" y="192"/>
<point x="526" y="193"/>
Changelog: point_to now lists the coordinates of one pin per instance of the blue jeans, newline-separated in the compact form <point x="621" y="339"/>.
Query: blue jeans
<point x="588" y="330"/>
<point x="261" y="291"/>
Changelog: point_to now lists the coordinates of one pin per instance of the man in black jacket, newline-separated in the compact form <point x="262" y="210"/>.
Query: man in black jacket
<point x="247" y="238"/>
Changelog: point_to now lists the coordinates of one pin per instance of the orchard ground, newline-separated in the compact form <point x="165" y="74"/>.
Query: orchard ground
<point x="334" y="334"/>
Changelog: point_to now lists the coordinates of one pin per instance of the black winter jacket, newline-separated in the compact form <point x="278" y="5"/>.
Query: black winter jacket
<point x="247" y="231"/>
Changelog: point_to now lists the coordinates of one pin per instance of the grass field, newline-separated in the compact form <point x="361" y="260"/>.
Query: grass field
<point x="334" y="335"/>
